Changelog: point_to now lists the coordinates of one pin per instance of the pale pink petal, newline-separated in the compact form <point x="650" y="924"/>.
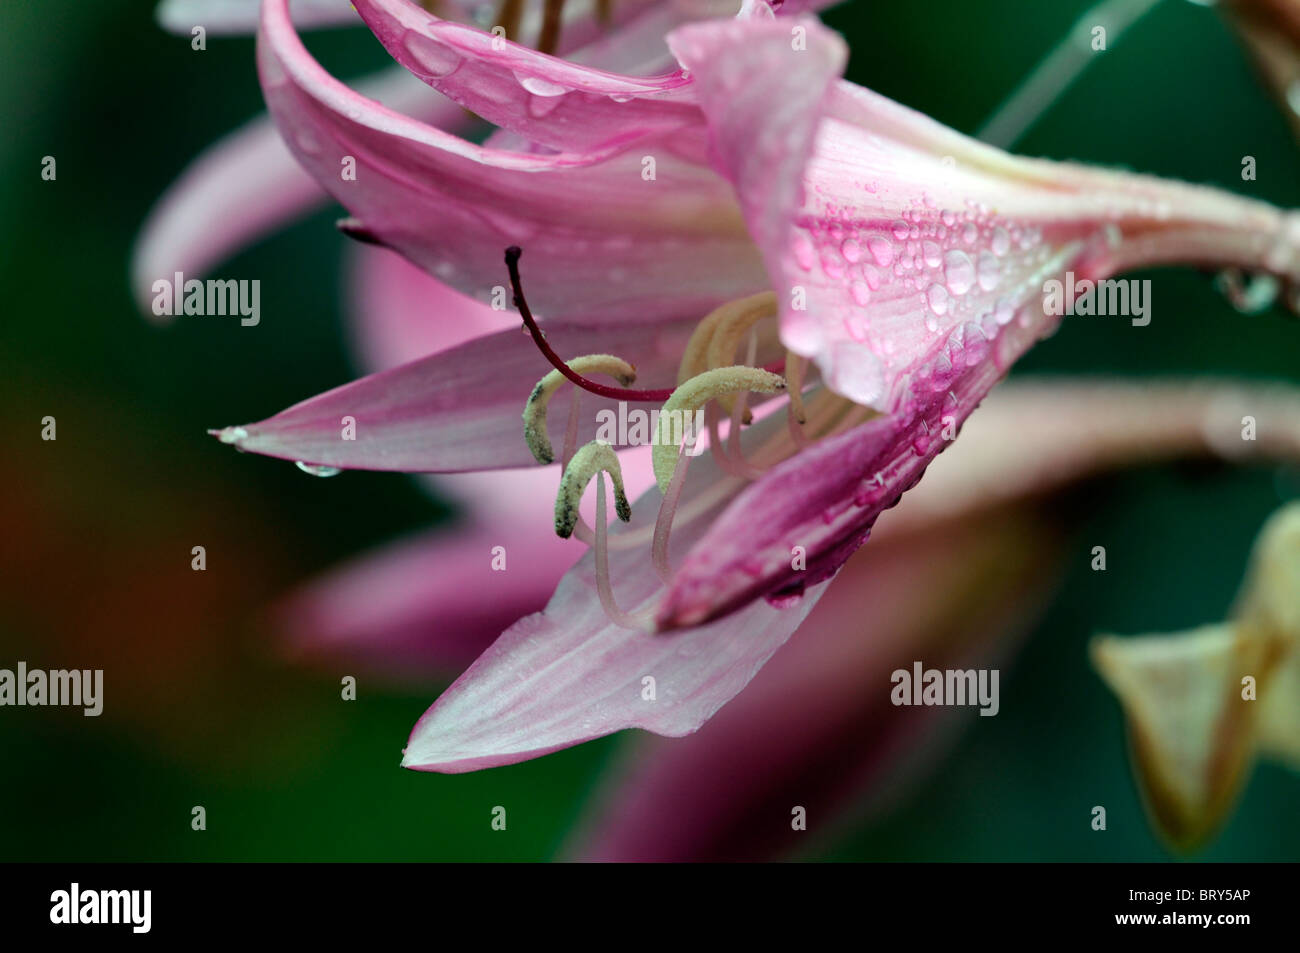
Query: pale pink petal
<point x="240" y="16"/>
<point x="601" y="242"/>
<point x="432" y="604"/>
<point x="568" y="674"/>
<point x="460" y="409"/>
<point x="248" y="184"/>
<point x="816" y="728"/>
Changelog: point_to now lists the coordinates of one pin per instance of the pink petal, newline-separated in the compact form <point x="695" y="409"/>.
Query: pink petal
<point x="433" y="603"/>
<point x="601" y="243"/>
<point x="816" y="728"/>
<point x="459" y="409"/>
<point x="550" y="101"/>
<point x="240" y="16"/>
<point x="244" y="186"/>
<point x="426" y="606"/>
<point x="890" y="237"/>
<point x="567" y="674"/>
<point x="926" y="373"/>
<point x="399" y="313"/>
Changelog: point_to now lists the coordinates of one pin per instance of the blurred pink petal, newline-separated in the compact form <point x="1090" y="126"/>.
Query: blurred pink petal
<point x="815" y="728"/>
<point x="248" y="184"/>
<point x="431" y="604"/>
<point x="460" y="409"/>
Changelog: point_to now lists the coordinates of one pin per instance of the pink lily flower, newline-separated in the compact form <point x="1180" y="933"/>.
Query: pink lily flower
<point x="249" y="184"/>
<point x="904" y="260"/>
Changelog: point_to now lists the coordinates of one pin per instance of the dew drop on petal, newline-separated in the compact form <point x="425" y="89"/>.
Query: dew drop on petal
<point x="900" y="230"/>
<point x="881" y="251"/>
<point x="1001" y="242"/>
<point x="969" y="233"/>
<point x="937" y="298"/>
<point x="317" y="469"/>
<point x="435" y="58"/>
<point x="988" y="271"/>
<point x="932" y="254"/>
<point x="851" y="250"/>
<point x="860" y="293"/>
<point x="958" y="272"/>
<point x="803" y="251"/>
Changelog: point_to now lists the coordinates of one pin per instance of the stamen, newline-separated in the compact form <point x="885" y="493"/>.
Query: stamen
<point x="552" y="18"/>
<point x="538" y="440"/>
<point x="604" y="10"/>
<point x="730" y="320"/>
<point x="739" y="412"/>
<point x="795" y="367"/>
<point x="603" y="587"/>
<point x="614" y="393"/>
<point x="586" y="463"/>
<point x="690" y="397"/>
<point x="664" y="523"/>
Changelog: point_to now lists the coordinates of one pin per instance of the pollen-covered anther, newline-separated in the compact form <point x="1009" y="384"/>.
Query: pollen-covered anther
<point x="535" y="434"/>
<point x="586" y="463"/>
<point x="675" y="419"/>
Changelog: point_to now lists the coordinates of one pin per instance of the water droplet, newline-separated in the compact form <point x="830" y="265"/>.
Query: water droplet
<point x="433" y="57"/>
<point x="859" y="292"/>
<point x="948" y="218"/>
<point x="900" y="230"/>
<point x="881" y="251"/>
<point x="958" y="272"/>
<point x="933" y="255"/>
<point x="969" y="233"/>
<point x="937" y="298"/>
<point x="989" y="271"/>
<point x="1001" y="242"/>
<point x="1248" y="295"/>
<point x="803" y="252"/>
<point x="1004" y="311"/>
<point x="541" y="87"/>
<point x="317" y="470"/>
<point x="851" y="250"/>
<point x="873" y="276"/>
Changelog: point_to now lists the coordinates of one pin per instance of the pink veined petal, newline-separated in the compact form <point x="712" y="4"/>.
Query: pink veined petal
<point x="460" y="409"/>
<point x="603" y="240"/>
<point x="568" y="674"/>
<point x="559" y="104"/>
<point x="815" y="218"/>
<point x="246" y="185"/>
<point x="1033" y="437"/>
<point x="240" y="16"/>
<point x="399" y="314"/>
<point x="429" y="605"/>
<point x="890" y="237"/>
<point x="433" y="603"/>
<point x="816" y="728"/>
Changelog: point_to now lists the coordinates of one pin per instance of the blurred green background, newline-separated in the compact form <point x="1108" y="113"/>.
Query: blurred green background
<point x="97" y="526"/>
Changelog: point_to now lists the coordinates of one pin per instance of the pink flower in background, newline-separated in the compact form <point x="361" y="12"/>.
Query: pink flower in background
<point x="905" y="263"/>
